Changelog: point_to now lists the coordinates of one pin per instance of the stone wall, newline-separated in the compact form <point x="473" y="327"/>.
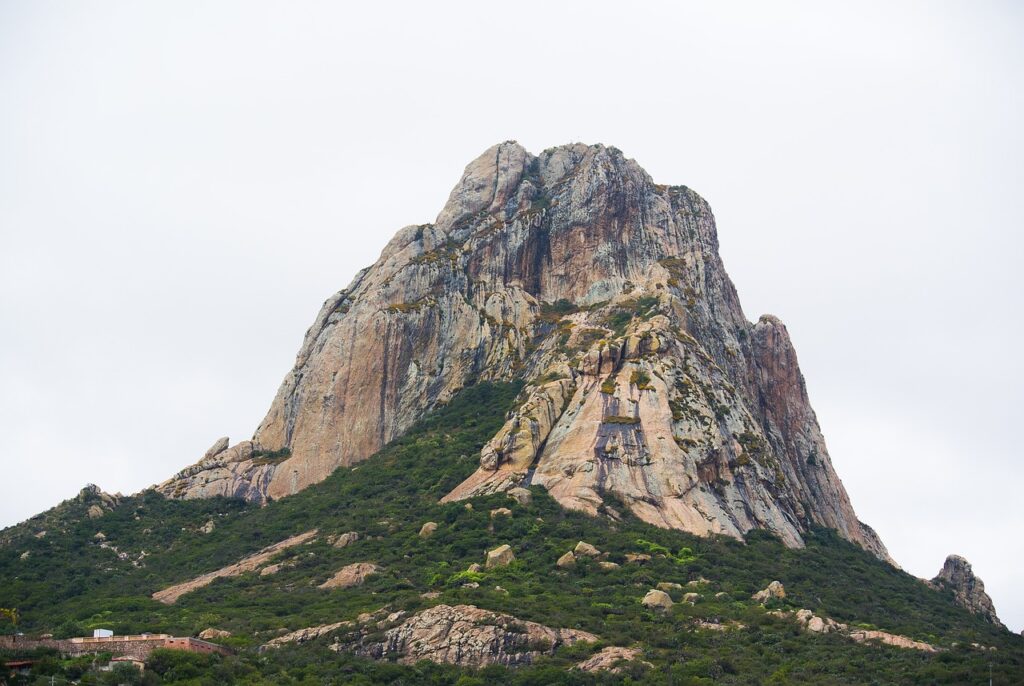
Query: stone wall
<point x="138" y="647"/>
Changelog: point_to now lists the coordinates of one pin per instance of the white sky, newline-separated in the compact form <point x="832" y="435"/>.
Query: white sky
<point x="183" y="183"/>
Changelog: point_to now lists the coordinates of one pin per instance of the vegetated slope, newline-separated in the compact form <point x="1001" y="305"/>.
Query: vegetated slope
<point x="71" y="581"/>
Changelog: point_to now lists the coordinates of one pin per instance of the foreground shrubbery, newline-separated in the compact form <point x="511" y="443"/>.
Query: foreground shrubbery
<point x="386" y="499"/>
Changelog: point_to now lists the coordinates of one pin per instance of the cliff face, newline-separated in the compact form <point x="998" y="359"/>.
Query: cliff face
<point x="574" y="271"/>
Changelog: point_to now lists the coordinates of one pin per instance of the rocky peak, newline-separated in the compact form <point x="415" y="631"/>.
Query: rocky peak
<point x="573" y="271"/>
<point x="968" y="590"/>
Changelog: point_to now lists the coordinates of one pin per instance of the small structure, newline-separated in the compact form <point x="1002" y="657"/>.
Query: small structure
<point x="137" y="647"/>
<point x="102" y="633"/>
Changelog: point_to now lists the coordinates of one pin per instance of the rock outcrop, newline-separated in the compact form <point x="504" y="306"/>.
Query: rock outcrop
<point x="468" y="636"/>
<point x="500" y="556"/>
<point x="351" y="575"/>
<point x="609" y="659"/>
<point x="657" y="600"/>
<point x="824" y="625"/>
<point x="574" y="271"/>
<point x="968" y="590"/>
<point x="250" y="563"/>
<point x="211" y="633"/>
<point x="774" y="591"/>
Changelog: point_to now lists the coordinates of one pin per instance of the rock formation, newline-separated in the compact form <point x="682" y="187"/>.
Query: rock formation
<point x="657" y="600"/>
<point x="574" y="271"/>
<point x="250" y="563"/>
<point x="824" y="625"/>
<point x="608" y="659"/>
<point x="468" y="636"/>
<point x="968" y="590"/>
<point x="351" y="575"/>
<point x="774" y="591"/>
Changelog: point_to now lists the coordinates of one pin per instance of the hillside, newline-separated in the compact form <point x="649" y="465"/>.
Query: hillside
<point x="71" y="580"/>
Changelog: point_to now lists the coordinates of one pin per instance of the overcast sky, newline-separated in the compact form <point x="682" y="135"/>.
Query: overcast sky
<point x="182" y="184"/>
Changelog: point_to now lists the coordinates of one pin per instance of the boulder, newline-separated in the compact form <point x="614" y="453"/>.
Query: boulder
<point x="774" y="590"/>
<point x="669" y="586"/>
<point x="475" y="567"/>
<point x="219" y="446"/>
<point x="699" y="581"/>
<point x="521" y="495"/>
<point x="566" y="561"/>
<point x="500" y="512"/>
<point x="500" y="556"/>
<point x="94" y="512"/>
<point x="207" y="634"/>
<point x="584" y="549"/>
<point x="691" y="598"/>
<point x="208" y="527"/>
<point x="342" y="540"/>
<point x="638" y="558"/>
<point x="351" y="575"/>
<point x="657" y="600"/>
<point x="304" y="635"/>
<point x="427" y="530"/>
<point x="608" y="659"/>
<point x="608" y="566"/>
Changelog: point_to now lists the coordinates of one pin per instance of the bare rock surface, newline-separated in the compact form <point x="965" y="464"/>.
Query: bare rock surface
<point x="343" y="540"/>
<point x="219" y="446"/>
<point x="825" y="625"/>
<point x="428" y="529"/>
<point x="307" y="634"/>
<point x="774" y="590"/>
<point x="609" y="659"/>
<point x="657" y="600"/>
<point x="500" y="556"/>
<point x="247" y="564"/>
<point x="207" y="634"/>
<point x="468" y="636"/>
<point x="574" y="269"/>
<point x="968" y="590"/>
<point x="567" y="560"/>
<point x="350" y="575"/>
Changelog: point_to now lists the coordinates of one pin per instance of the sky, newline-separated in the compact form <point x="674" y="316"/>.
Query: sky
<point x="183" y="183"/>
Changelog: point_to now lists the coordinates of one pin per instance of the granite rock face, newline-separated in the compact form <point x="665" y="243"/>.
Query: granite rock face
<point x="469" y="636"/>
<point x="968" y="590"/>
<point x="604" y="291"/>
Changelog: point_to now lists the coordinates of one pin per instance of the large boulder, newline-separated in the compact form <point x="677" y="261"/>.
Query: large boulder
<point x="428" y="529"/>
<point x="500" y="556"/>
<point x="520" y="495"/>
<point x="657" y="600"/>
<point x="584" y="549"/>
<point x="774" y="591"/>
<point x="566" y="561"/>
<point x="219" y="446"/>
